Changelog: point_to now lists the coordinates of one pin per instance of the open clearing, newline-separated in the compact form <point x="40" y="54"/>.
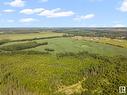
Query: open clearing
<point x="115" y="42"/>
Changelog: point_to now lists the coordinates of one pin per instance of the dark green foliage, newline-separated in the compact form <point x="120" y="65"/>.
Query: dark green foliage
<point x="23" y="52"/>
<point x="107" y="77"/>
<point x="32" y="39"/>
<point x="120" y="33"/>
<point x="22" y="30"/>
<point x="21" y="46"/>
<point x="3" y="41"/>
<point x="41" y="38"/>
<point x="86" y="93"/>
<point x="49" y="49"/>
<point x="65" y="54"/>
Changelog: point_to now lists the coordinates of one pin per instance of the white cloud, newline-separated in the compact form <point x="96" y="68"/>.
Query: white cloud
<point x="123" y="6"/>
<point x="27" y="20"/>
<point x="44" y="0"/>
<point x="27" y="11"/>
<point x="56" y="13"/>
<point x="85" y="17"/>
<point x="47" y="13"/>
<point x="38" y="10"/>
<point x="89" y="16"/>
<point x="31" y="11"/>
<point x="8" y="11"/>
<point x="119" y="25"/>
<point x="16" y="3"/>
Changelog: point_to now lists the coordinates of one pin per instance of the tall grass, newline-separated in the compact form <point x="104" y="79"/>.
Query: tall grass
<point x="43" y="74"/>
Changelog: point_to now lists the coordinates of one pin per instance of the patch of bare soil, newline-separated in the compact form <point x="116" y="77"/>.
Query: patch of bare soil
<point x="71" y="89"/>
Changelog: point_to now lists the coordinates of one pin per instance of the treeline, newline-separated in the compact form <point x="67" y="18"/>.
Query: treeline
<point x="7" y="41"/>
<point x="83" y="54"/>
<point x="22" y="46"/>
<point x="36" y="38"/>
<point x="115" y="45"/>
<point x="93" y="32"/>
<point x="22" y="30"/>
<point x="29" y="52"/>
<point x="107" y="34"/>
<point x="3" y="41"/>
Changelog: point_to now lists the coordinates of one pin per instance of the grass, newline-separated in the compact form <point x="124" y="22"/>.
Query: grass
<point x="28" y="36"/>
<point x="116" y="42"/>
<point x="104" y="40"/>
<point x="72" y="45"/>
<point x="40" y="77"/>
<point x="45" y="74"/>
<point x="60" y="66"/>
<point x="61" y="45"/>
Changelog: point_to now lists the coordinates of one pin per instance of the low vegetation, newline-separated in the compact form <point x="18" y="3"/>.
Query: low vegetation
<point x="22" y="46"/>
<point x="114" y="42"/>
<point x="3" y="41"/>
<point x="83" y="72"/>
<point x="69" y="64"/>
<point x="49" y="49"/>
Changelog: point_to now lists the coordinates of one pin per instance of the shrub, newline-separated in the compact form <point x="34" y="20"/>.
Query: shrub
<point x="49" y="49"/>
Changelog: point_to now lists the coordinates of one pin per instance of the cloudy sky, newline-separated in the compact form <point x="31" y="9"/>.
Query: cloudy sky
<point x="63" y="13"/>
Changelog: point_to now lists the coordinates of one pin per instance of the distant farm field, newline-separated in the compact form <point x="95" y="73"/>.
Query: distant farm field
<point x="49" y="63"/>
<point x="28" y="36"/>
<point x="115" y="42"/>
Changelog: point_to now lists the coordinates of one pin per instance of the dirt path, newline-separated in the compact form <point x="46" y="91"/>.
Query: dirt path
<point x="69" y="90"/>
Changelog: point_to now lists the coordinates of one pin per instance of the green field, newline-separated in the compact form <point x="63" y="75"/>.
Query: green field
<point x="50" y="64"/>
<point x="61" y="45"/>
<point x="30" y="36"/>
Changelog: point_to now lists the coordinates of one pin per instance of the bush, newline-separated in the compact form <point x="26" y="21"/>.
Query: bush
<point x="49" y="49"/>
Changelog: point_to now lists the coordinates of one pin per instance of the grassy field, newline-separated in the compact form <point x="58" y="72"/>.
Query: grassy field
<point x="28" y="36"/>
<point x="61" y="45"/>
<point x="115" y="42"/>
<point x="62" y="66"/>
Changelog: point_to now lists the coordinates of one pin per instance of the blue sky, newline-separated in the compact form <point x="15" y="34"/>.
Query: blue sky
<point x="63" y="13"/>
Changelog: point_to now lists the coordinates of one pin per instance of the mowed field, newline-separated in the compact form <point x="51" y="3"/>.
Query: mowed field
<point x="50" y="64"/>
